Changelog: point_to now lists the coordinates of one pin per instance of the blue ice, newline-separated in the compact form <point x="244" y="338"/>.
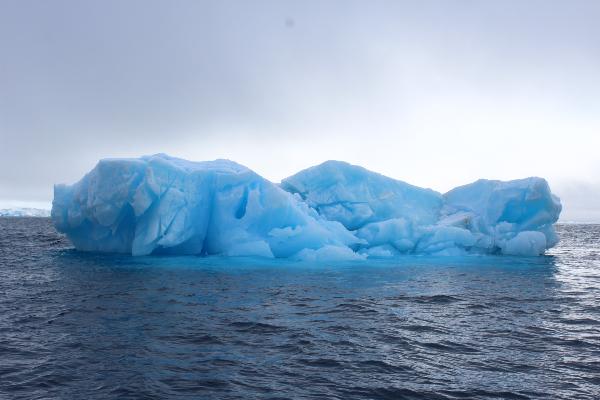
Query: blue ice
<point x="334" y="211"/>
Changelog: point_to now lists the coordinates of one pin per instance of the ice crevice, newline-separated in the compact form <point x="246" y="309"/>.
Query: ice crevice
<point x="333" y="211"/>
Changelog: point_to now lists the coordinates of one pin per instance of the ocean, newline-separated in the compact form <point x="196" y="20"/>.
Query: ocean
<point x="96" y="326"/>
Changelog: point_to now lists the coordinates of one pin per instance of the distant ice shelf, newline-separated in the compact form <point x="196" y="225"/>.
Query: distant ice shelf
<point x="334" y="211"/>
<point x="24" y="212"/>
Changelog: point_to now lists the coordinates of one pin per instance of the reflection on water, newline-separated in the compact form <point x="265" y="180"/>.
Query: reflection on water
<point x="76" y="325"/>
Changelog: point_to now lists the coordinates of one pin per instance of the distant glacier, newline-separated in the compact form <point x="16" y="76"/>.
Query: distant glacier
<point x="333" y="211"/>
<point x="24" y="212"/>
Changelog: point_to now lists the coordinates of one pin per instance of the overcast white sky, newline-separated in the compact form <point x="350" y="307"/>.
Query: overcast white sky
<point x="436" y="93"/>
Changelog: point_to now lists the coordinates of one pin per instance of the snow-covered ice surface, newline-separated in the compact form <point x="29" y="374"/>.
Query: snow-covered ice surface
<point x="334" y="211"/>
<point x="24" y="212"/>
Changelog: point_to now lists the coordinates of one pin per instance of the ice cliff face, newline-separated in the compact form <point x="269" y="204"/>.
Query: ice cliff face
<point x="163" y="205"/>
<point x="160" y="204"/>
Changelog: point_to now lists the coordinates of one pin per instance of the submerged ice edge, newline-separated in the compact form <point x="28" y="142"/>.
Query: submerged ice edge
<point x="334" y="211"/>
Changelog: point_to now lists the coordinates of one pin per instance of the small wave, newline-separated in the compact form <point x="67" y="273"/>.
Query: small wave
<point x="193" y="385"/>
<point x="191" y="338"/>
<point x="320" y="362"/>
<point x="449" y="346"/>
<point x="257" y="327"/>
<point x="392" y="393"/>
<point x="424" y="329"/>
<point x="579" y="321"/>
<point x="503" y="395"/>
<point x="381" y="366"/>
<point x="434" y="299"/>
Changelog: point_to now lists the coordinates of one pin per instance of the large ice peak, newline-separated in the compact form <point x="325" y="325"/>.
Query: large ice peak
<point x="161" y="204"/>
<point x="356" y="196"/>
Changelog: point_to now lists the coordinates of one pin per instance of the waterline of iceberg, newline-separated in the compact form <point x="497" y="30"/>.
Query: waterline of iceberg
<point x="334" y="211"/>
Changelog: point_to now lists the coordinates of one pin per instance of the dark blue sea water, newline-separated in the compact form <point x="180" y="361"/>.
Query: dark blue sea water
<point x="89" y="326"/>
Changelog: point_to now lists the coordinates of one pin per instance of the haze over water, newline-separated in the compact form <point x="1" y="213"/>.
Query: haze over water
<point x="77" y="325"/>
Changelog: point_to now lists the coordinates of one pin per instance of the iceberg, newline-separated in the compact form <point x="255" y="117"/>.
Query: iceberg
<point x="334" y="211"/>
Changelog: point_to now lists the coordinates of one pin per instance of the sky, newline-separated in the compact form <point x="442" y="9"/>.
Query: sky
<point x="435" y="93"/>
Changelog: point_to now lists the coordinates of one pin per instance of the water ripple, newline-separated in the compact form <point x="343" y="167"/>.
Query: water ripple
<point x="98" y="326"/>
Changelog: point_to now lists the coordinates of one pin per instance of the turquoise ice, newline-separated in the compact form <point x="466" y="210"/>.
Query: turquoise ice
<point x="164" y="205"/>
